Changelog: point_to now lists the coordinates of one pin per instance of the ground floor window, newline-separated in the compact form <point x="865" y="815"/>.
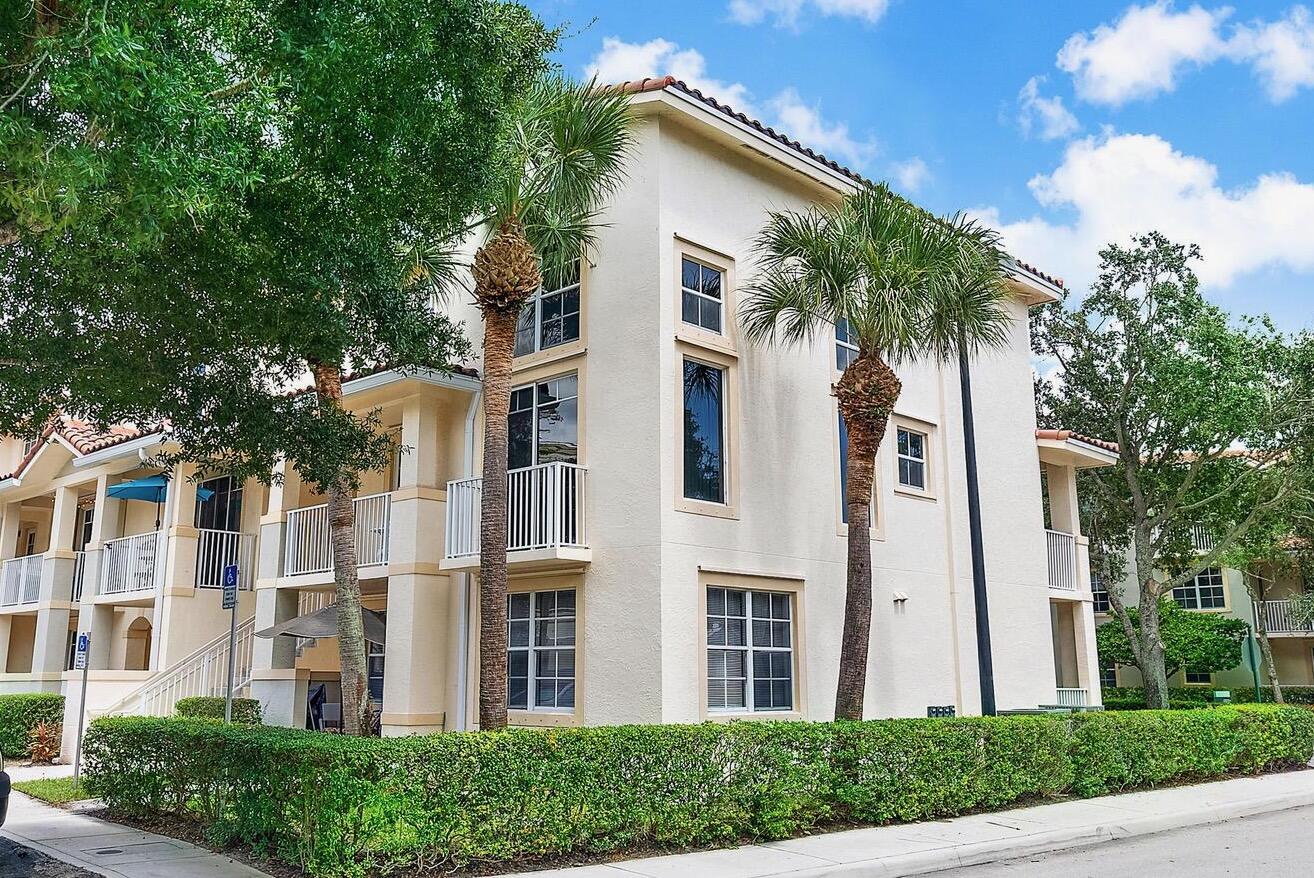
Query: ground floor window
<point x="750" y="650"/>
<point x="1109" y="676"/>
<point x="1100" y="594"/>
<point x="1199" y="678"/>
<point x="540" y="660"/>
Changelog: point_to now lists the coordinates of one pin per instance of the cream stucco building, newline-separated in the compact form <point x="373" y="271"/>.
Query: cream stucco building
<point x="678" y="548"/>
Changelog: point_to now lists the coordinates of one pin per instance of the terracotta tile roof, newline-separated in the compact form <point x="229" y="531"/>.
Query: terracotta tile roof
<point x="85" y="438"/>
<point x="1065" y="435"/>
<point x="658" y="83"/>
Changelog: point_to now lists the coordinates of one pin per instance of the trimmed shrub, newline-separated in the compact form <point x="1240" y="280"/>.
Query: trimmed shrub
<point x="1133" y="697"/>
<point x="245" y="710"/>
<point x="340" y="806"/>
<point x="21" y="713"/>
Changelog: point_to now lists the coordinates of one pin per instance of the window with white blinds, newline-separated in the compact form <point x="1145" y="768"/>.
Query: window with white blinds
<point x="750" y="650"/>
<point x="540" y="659"/>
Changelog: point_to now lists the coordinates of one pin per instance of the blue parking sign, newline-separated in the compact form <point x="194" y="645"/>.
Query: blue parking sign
<point x="230" y="586"/>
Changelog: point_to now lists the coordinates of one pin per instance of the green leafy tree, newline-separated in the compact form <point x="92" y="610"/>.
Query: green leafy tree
<point x="910" y="287"/>
<point x="1146" y="361"/>
<point x="1197" y="642"/>
<point x="377" y="127"/>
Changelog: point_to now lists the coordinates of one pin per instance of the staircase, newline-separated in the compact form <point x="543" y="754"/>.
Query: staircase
<point x="204" y="672"/>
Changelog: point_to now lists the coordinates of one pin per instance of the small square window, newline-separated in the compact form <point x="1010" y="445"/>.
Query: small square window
<point x="912" y="458"/>
<point x="701" y="295"/>
<point x="1199" y="678"/>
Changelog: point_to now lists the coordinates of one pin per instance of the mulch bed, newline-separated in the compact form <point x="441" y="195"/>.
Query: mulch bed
<point x="17" y="861"/>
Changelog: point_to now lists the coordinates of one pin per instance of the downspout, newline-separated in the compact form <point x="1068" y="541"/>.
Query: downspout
<point x="463" y="630"/>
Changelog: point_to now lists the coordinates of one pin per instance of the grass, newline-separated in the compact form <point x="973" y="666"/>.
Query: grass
<point x="55" y="790"/>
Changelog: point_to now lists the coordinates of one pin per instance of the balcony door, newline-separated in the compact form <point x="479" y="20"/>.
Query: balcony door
<point x="543" y="428"/>
<point x="222" y="511"/>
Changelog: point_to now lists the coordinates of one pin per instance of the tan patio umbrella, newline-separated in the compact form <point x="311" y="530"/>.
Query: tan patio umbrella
<point x="324" y="623"/>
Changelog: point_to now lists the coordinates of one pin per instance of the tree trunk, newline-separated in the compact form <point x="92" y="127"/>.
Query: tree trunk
<point x="1153" y="670"/>
<point x="1259" y="596"/>
<point x="867" y="392"/>
<point x="342" y="534"/>
<point x="499" y="346"/>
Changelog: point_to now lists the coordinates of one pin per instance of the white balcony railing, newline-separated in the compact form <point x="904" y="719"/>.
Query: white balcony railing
<point x="545" y="509"/>
<point x="1061" y="550"/>
<point x="216" y="549"/>
<point x="1071" y="697"/>
<point x="1278" y="619"/>
<point x="79" y="574"/>
<point x="128" y="564"/>
<point x="1202" y="540"/>
<point x="20" y="580"/>
<point x="309" y="550"/>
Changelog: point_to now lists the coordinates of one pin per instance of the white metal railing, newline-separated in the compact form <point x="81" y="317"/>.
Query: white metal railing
<point x="128" y="564"/>
<point x="1061" y="550"/>
<point x="1202" y="540"/>
<point x="1278" y="619"/>
<point x="79" y="573"/>
<point x="310" y="601"/>
<point x="216" y="549"/>
<point x="204" y="672"/>
<point x="20" y="580"/>
<point x="309" y="549"/>
<point x="1071" y="697"/>
<point x="545" y="509"/>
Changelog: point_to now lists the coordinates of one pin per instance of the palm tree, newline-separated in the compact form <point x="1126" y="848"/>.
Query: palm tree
<point x="568" y="150"/>
<point x="909" y="287"/>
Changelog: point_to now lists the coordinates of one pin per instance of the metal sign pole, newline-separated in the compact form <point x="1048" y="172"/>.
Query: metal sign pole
<point x="230" y="603"/>
<point x="84" y="646"/>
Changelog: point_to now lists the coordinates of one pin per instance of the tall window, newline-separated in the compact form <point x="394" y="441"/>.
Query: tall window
<point x="846" y="345"/>
<point x="701" y="295"/>
<point x="543" y="423"/>
<point x="86" y="519"/>
<point x="912" y="458"/>
<point x="223" y="509"/>
<point x="374" y="653"/>
<point x="551" y="316"/>
<point x="540" y="659"/>
<point x="704" y="432"/>
<point x="1109" y="676"/>
<point x="1102" y="604"/>
<point x="1204" y="592"/>
<point x="750" y="651"/>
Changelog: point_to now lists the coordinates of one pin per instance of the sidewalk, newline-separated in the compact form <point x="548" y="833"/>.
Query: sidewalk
<point x="108" y="848"/>
<point x="919" y="848"/>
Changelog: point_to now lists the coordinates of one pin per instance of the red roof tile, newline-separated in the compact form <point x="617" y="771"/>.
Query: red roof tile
<point x="1065" y="435"/>
<point x="85" y="438"/>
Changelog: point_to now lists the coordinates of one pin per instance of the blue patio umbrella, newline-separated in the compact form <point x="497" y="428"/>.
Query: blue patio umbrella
<point x="152" y="489"/>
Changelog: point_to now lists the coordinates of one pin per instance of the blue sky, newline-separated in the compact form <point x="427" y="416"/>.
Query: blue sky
<point x="1065" y="124"/>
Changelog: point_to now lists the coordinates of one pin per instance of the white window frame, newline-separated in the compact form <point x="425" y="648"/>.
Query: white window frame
<point x="924" y="461"/>
<point x="1109" y="676"/>
<point x="535" y="405"/>
<point x="748" y="649"/>
<point x="1096" y="589"/>
<point x="720" y="303"/>
<point x="536" y="302"/>
<point x="850" y="350"/>
<point x="1193" y="588"/>
<point x="533" y="648"/>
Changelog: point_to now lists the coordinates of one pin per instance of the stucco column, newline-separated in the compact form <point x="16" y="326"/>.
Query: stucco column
<point x="1064" y="514"/>
<point x="55" y="603"/>
<point x="275" y="681"/>
<point x="1088" y="659"/>
<point x="6" y="622"/>
<point x="9" y="516"/>
<point x="176" y="602"/>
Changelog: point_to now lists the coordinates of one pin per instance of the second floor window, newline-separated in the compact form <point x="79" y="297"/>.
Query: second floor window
<point x="86" y="520"/>
<point x="543" y="424"/>
<point x="1204" y="592"/>
<point x="701" y="295"/>
<point x="846" y="345"/>
<point x="1102" y="604"/>
<point x="551" y="316"/>
<point x="912" y="458"/>
<point x="223" y="509"/>
<point x="704" y="432"/>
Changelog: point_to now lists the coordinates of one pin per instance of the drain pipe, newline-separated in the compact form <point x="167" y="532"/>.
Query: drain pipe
<point x="463" y="631"/>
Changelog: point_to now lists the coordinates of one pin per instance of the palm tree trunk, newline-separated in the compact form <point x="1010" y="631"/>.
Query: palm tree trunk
<point x="342" y="535"/>
<point x="867" y="392"/>
<point x="499" y="347"/>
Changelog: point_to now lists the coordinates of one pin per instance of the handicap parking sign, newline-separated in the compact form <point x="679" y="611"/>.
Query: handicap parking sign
<point x="84" y="646"/>
<point x="230" y="586"/>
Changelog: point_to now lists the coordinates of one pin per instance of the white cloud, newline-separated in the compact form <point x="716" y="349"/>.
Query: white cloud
<point x="786" y="13"/>
<point x="1046" y="117"/>
<point x="910" y="175"/>
<point x="787" y="111"/>
<point x="1140" y="55"/>
<point x="1281" y="52"/>
<point x="1116" y="185"/>
<point x="1146" y="50"/>
<point x="619" y="61"/>
<point x="804" y="123"/>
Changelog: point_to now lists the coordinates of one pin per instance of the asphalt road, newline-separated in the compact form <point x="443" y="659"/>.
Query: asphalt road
<point x="1272" y="845"/>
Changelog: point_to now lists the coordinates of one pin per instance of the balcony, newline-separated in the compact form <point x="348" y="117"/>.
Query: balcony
<point x="217" y="549"/>
<point x="308" y="549"/>
<point x="1061" y="551"/>
<point x="20" y="581"/>
<point x="546" y="517"/>
<point x="1071" y="697"/>
<point x="128" y="564"/>
<point x="1278" y="620"/>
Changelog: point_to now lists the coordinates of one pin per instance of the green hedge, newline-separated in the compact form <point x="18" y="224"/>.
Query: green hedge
<point x="245" y="710"/>
<point x="19" y="713"/>
<point x="338" y="806"/>
<point x="1133" y="697"/>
